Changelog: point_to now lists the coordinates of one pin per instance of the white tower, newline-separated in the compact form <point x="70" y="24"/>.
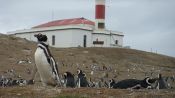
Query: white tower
<point x="99" y="14"/>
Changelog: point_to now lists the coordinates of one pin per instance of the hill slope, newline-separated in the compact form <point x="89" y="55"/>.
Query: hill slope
<point x="122" y="61"/>
<point x="104" y="63"/>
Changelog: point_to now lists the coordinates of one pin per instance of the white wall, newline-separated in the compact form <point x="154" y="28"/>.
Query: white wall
<point x="28" y="36"/>
<point x="74" y="38"/>
<point x="70" y="38"/>
<point x="109" y="40"/>
<point x="78" y="38"/>
<point x="101" y="37"/>
<point x="116" y="37"/>
<point x="63" y="38"/>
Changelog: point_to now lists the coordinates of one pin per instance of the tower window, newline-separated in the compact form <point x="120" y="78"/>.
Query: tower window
<point x="101" y="25"/>
<point x="53" y="39"/>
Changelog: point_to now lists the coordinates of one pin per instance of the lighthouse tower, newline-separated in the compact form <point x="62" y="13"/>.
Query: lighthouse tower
<point x="100" y="14"/>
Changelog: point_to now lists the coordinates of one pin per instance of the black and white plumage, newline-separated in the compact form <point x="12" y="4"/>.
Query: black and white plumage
<point x="162" y="84"/>
<point x="131" y="83"/>
<point x="7" y="82"/>
<point x="69" y="79"/>
<point x="22" y="82"/>
<point x="81" y="80"/>
<point x="45" y="62"/>
<point x="111" y="83"/>
<point x="14" y="83"/>
<point x="4" y="81"/>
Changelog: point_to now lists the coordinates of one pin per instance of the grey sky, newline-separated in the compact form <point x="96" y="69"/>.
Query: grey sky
<point x="147" y="24"/>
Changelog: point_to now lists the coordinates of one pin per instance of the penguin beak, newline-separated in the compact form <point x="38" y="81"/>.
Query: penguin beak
<point x="36" y="35"/>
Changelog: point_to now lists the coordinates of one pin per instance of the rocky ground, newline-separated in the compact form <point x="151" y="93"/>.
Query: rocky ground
<point x="17" y="60"/>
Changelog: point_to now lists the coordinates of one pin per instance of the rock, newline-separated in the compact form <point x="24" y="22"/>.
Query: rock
<point x="27" y="51"/>
<point x="70" y="54"/>
<point x="99" y="92"/>
<point x="85" y="52"/>
<point x="92" y="72"/>
<point x="18" y="94"/>
<point x="104" y="75"/>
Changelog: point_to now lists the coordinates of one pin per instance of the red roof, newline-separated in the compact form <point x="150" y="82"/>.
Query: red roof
<point x="66" y="22"/>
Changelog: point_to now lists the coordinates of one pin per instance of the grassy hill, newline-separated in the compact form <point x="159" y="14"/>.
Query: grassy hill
<point x="117" y="63"/>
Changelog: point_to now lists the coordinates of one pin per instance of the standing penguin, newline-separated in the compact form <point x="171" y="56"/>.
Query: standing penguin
<point x="69" y="79"/>
<point x="81" y="80"/>
<point x="162" y="84"/>
<point x="45" y="63"/>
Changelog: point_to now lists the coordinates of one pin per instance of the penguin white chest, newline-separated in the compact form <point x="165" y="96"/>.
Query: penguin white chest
<point x="43" y="66"/>
<point x="40" y="58"/>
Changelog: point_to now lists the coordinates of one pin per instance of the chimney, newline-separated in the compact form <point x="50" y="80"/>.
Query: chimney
<point x="100" y="14"/>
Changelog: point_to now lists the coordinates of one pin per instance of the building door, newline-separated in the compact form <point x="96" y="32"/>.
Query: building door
<point x="53" y="40"/>
<point x="84" y="40"/>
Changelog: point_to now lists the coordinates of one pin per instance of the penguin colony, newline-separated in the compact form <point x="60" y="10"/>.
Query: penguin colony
<point x="47" y="68"/>
<point x="49" y="74"/>
<point x="7" y="82"/>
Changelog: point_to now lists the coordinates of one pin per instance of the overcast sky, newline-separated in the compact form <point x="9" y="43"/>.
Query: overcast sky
<point x="148" y="25"/>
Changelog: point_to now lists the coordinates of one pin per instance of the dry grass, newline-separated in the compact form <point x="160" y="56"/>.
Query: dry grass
<point x="124" y="63"/>
<point x="40" y="92"/>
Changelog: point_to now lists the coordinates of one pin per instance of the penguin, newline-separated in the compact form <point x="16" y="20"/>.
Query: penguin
<point x="14" y="82"/>
<point x="81" y="80"/>
<point x="45" y="63"/>
<point x="111" y="83"/>
<point x="162" y="84"/>
<point x="131" y="83"/>
<point x="69" y="79"/>
<point x="22" y="82"/>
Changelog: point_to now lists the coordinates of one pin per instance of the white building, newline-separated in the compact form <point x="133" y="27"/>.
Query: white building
<point x="76" y="32"/>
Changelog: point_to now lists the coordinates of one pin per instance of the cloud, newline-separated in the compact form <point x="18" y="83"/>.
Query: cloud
<point x="146" y="23"/>
<point x="20" y="14"/>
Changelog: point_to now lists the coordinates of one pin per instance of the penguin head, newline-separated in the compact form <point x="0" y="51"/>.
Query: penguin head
<point x="147" y="80"/>
<point x="84" y="75"/>
<point x="160" y="76"/>
<point x="79" y="71"/>
<point x="41" y="37"/>
<point x="65" y="75"/>
<point x="111" y="83"/>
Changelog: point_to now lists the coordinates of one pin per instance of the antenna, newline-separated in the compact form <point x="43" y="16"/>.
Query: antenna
<point x="108" y="2"/>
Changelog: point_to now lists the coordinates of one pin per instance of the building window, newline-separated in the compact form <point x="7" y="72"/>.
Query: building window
<point x="84" y="41"/>
<point x="53" y="39"/>
<point x="101" y="25"/>
<point x="116" y="42"/>
<point x="98" y="42"/>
